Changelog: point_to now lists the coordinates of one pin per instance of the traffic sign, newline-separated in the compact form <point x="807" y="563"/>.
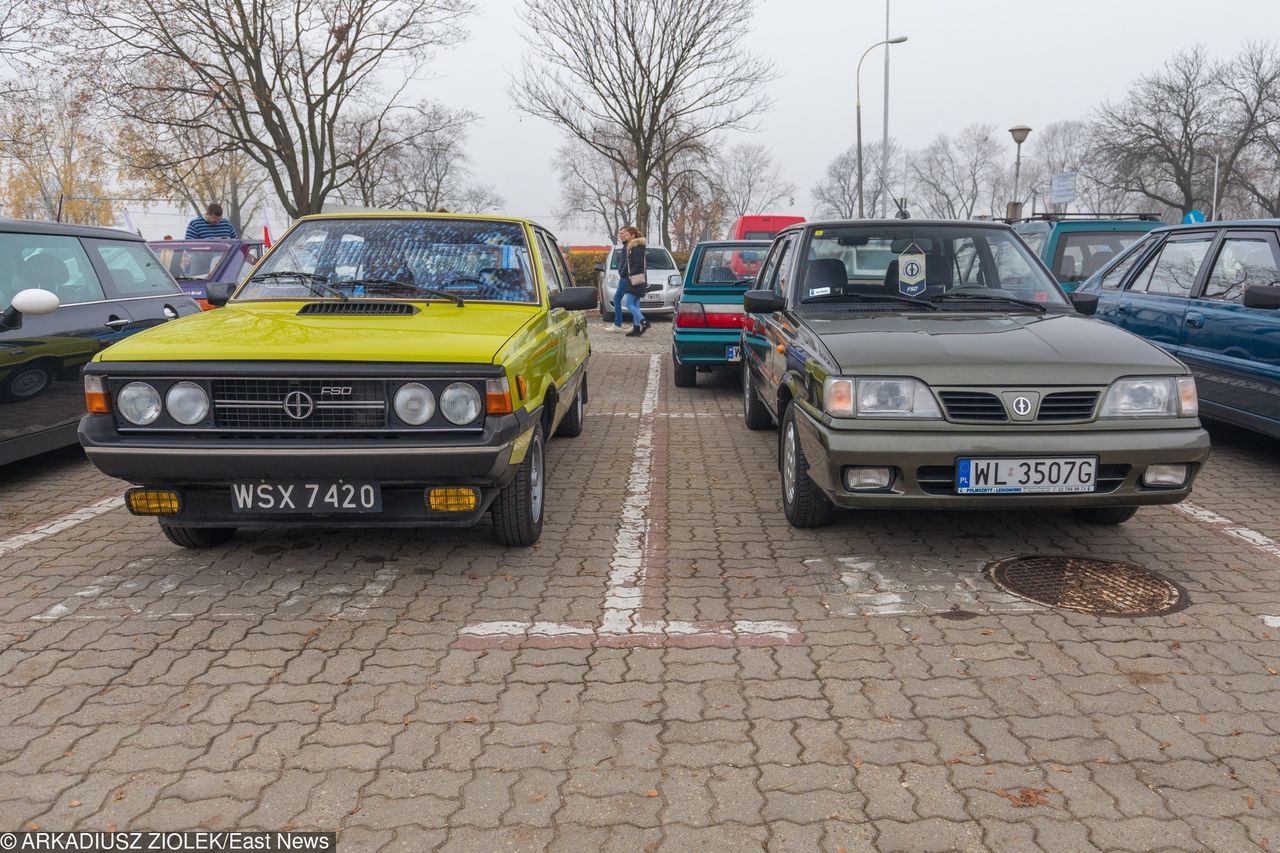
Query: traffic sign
<point x="1193" y="217"/>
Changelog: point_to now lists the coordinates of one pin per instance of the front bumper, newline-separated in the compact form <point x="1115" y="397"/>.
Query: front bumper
<point x="669" y="298"/>
<point x="924" y="463"/>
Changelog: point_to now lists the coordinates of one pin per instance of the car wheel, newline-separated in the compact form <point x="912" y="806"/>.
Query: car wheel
<point x="606" y="308"/>
<point x="802" y="500"/>
<point x="197" y="537"/>
<point x="753" y="411"/>
<point x="517" y="511"/>
<point x="684" y="375"/>
<point x="27" y="382"/>
<point x="571" y="424"/>
<point x="1105" y="514"/>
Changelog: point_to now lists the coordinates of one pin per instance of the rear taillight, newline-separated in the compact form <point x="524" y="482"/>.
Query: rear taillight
<point x="689" y="315"/>
<point x="724" y="320"/>
<point x="697" y="315"/>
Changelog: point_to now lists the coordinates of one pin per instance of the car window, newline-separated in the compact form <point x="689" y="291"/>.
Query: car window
<point x="1242" y="262"/>
<point x="133" y="269"/>
<point x="546" y="259"/>
<point x="562" y="264"/>
<point x="1033" y="237"/>
<point x="1080" y="254"/>
<point x="778" y="275"/>
<point x="1173" y="269"/>
<point x="655" y="258"/>
<point x="191" y="262"/>
<point x="46" y="262"/>
<point x="1116" y="275"/>
<point x="728" y="264"/>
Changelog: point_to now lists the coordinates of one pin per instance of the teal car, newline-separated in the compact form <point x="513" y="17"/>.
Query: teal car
<point x="1075" y="246"/>
<point x="708" y="327"/>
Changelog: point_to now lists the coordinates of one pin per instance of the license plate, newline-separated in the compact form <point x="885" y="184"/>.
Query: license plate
<point x="732" y="353"/>
<point x="285" y="496"/>
<point x="651" y="300"/>
<point x="1039" y="475"/>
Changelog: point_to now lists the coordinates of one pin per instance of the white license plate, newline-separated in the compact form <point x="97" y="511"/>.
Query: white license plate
<point x="732" y="353"/>
<point x="651" y="300"/>
<point x="1039" y="475"/>
<point x="306" y="496"/>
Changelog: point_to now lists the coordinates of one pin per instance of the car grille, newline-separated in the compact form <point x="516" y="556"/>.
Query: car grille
<point x="984" y="407"/>
<point x="941" y="479"/>
<point x="654" y="287"/>
<point x="282" y="404"/>
<point x="1068" y="406"/>
<point x="973" y="406"/>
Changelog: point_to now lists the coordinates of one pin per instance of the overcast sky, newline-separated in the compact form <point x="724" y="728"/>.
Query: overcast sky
<point x="1005" y="62"/>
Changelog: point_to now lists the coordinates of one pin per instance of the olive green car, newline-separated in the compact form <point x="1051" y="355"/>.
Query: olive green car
<point x="375" y="370"/>
<point x="938" y="365"/>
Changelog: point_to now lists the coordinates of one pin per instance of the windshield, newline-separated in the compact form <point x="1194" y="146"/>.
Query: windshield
<point x="198" y="262"/>
<point x="654" y="258"/>
<point x="863" y="264"/>
<point x="728" y="264"/>
<point x="395" y="258"/>
<point x="1083" y="253"/>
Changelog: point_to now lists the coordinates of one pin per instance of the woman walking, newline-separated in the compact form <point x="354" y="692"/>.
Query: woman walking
<point x="634" y="264"/>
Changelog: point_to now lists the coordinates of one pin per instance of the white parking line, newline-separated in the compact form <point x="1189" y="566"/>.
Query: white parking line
<point x="1260" y="541"/>
<point x="59" y="524"/>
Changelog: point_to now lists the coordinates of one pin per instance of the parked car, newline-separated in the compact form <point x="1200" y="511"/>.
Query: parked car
<point x="197" y="263"/>
<point x="957" y="375"/>
<point x="1075" y="246"/>
<point x="664" y="282"/>
<point x="375" y="370"/>
<point x="1208" y="294"/>
<point x="102" y="285"/>
<point x="761" y="227"/>
<point x="708" y="328"/>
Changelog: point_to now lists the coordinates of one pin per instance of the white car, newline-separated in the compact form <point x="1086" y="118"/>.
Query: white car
<point x="665" y="282"/>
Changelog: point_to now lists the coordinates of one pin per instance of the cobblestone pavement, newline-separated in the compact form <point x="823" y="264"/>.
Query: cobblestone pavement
<point x="671" y="668"/>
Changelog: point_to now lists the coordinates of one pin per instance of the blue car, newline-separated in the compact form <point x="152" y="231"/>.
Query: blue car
<point x="1075" y="245"/>
<point x="1208" y="294"/>
<point x="709" y="316"/>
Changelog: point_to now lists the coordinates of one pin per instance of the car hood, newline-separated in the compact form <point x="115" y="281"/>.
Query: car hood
<point x="272" y="331"/>
<point x="990" y="349"/>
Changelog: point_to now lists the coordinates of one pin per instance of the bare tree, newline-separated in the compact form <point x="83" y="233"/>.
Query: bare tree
<point x="685" y="176"/>
<point x="1256" y="81"/>
<point x="274" y="79"/>
<point x="637" y="79"/>
<point x="750" y="181"/>
<point x="594" y="190"/>
<point x="836" y="195"/>
<point x="954" y="178"/>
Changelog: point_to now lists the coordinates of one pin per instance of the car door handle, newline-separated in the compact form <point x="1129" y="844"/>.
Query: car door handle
<point x="116" y="322"/>
<point x="1195" y="319"/>
<point x="1124" y="307"/>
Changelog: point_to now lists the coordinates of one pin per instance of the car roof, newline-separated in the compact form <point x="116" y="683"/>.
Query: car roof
<point x="705" y="243"/>
<point x="947" y="223"/>
<point x="417" y="214"/>
<point x="221" y="243"/>
<point x="65" y="229"/>
<point x="1222" y="223"/>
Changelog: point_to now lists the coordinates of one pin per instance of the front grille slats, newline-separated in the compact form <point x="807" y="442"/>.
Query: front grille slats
<point x="1068" y="406"/>
<point x="988" y="407"/>
<point x="260" y="404"/>
<point x="973" y="406"/>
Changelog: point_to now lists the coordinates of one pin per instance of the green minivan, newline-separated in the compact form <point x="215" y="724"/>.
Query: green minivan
<point x="1076" y="245"/>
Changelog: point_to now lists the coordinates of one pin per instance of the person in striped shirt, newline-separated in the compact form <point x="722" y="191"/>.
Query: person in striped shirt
<point x="211" y="226"/>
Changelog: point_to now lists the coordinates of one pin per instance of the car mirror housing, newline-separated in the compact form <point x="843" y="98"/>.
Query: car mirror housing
<point x="30" y="301"/>
<point x="1255" y="296"/>
<point x="763" y="302"/>
<point x="219" y="292"/>
<point x="1085" y="303"/>
<point x="599" y="267"/>
<point x="575" y="299"/>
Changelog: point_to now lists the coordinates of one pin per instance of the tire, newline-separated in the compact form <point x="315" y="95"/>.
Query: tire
<point x="1104" y="514"/>
<point x="606" y="308"/>
<point x="684" y="375"/>
<point x="803" y="502"/>
<point x="571" y="423"/>
<point x="754" y="412"/>
<point x="197" y="537"/>
<point x="27" y="382"/>
<point x="518" y="509"/>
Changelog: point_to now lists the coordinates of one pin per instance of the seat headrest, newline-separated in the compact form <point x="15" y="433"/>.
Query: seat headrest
<point x="825" y="272"/>
<point x="44" y="271"/>
<point x="1067" y="268"/>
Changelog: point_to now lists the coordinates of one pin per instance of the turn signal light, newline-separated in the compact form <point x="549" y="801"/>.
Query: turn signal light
<point x="497" y="397"/>
<point x="452" y="500"/>
<point x="153" y="501"/>
<point x="96" y="399"/>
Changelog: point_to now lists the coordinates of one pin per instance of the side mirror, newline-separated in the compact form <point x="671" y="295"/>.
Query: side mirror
<point x="30" y="301"/>
<point x="576" y="299"/>
<point x="1085" y="303"/>
<point x="219" y="292"/>
<point x="599" y="267"/>
<point x="763" y="302"/>
<point x="1255" y="296"/>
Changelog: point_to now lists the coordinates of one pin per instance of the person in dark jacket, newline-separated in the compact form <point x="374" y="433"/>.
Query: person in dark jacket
<point x="636" y="267"/>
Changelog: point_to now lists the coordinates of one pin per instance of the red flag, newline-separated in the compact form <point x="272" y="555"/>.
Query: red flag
<point x="266" y="232"/>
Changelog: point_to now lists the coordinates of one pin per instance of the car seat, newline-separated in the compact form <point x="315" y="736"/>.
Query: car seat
<point x="1096" y="261"/>
<point x="1067" y="268"/>
<point x="828" y="273"/>
<point x="42" y="271"/>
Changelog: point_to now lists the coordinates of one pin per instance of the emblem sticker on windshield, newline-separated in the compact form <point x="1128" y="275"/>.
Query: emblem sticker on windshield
<point x="911" y="271"/>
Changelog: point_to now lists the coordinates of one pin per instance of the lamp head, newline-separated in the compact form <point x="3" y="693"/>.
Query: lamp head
<point x="1019" y="132"/>
<point x="897" y="40"/>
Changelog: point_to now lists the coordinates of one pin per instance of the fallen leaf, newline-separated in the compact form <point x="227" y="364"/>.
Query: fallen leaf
<point x="1103" y="760"/>
<point x="75" y="804"/>
<point x="1174" y="646"/>
<point x="406" y="721"/>
<point x="119" y="794"/>
<point x="111" y="827"/>
<point x="33" y="826"/>
<point x="987" y="632"/>
<point x="1204" y="719"/>
<point x="1164" y="744"/>
<point x="1250" y="802"/>
<point x="915" y="637"/>
<point x="791" y="590"/>
<point x="1060" y="769"/>
<point x="1271" y="670"/>
<point x="1236" y="733"/>
<point x="990" y="771"/>
<point x="1026" y="797"/>
<point x="537" y="798"/>
<point x="68" y="753"/>
<point x="288" y="827"/>
<point x="857" y="764"/>
<point x="967" y="752"/>
<point x="652" y="792"/>
<point x="470" y="718"/>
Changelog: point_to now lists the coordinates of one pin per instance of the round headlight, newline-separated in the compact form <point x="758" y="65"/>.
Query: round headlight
<point x="460" y="403"/>
<point x="187" y="403"/>
<point x="414" y="403"/>
<point x="139" y="403"/>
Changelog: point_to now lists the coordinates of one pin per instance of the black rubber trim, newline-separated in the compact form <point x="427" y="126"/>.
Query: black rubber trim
<point x="319" y="369"/>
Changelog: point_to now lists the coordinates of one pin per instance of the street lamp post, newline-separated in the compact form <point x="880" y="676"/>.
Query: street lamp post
<point x="857" y="85"/>
<point x="1019" y="132"/>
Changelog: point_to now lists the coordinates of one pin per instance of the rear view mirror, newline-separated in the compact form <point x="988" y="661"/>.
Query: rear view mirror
<point x="1255" y="296"/>
<point x="30" y="301"/>
<point x="763" y="302"/>
<point x="219" y="292"/>
<point x="576" y="299"/>
<point x="599" y="267"/>
<point x="1085" y="303"/>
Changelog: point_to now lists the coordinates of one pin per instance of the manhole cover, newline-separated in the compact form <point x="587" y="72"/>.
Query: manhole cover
<point x="1101" y="587"/>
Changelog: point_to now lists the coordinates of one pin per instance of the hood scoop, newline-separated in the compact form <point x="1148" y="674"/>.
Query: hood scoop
<point x="362" y="309"/>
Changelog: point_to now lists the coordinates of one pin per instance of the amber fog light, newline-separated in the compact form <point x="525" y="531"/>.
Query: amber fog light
<point x="863" y="479"/>
<point x="153" y="501"/>
<point x="452" y="500"/>
<point x="1165" y="476"/>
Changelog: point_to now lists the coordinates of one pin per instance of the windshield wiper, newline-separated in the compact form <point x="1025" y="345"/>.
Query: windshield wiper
<point x="317" y="283"/>
<point x="983" y="297"/>
<point x="867" y="297"/>
<point x="189" y="277"/>
<point x="416" y="288"/>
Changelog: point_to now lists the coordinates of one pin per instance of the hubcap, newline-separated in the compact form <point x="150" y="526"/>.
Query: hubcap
<point x="789" y="463"/>
<point x="29" y="383"/>
<point x="535" y="479"/>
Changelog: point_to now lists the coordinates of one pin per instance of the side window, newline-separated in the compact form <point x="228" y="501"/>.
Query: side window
<point x="133" y="269"/>
<point x="562" y="263"/>
<point x="1116" y="275"/>
<point x="765" y="279"/>
<point x="56" y="264"/>
<point x="780" y="277"/>
<point x="1242" y="262"/>
<point x="1172" y="272"/>
<point x="547" y="259"/>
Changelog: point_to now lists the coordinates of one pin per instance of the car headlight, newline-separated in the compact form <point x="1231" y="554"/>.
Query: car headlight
<point x="414" y="403"/>
<point x="138" y="403"/>
<point x="673" y="281"/>
<point x="1152" y="397"/>
<point x="187" y="403"/>
<point x="460" y="403"/>
<point x="879" y="398"/>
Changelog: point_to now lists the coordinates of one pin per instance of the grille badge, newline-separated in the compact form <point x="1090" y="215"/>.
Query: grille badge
<point x="298" y="405"/>
<point x="1021" y="405"/>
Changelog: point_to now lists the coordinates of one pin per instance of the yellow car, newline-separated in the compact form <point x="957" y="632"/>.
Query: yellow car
<point x="375" y="370"/>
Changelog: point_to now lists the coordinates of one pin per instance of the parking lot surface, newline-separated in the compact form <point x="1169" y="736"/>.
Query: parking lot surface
<point x="671" y="668"/>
